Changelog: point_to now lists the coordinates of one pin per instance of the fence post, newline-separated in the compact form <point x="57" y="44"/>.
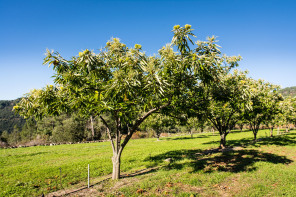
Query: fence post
<point x="61" y="177"/>
<point x="88" y="176"/>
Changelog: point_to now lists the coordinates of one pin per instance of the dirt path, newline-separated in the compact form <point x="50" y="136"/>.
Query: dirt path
<point x="85" y="191"/>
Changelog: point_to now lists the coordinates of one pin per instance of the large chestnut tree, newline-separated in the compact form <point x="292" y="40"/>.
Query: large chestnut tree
<point x="124" y="83"/>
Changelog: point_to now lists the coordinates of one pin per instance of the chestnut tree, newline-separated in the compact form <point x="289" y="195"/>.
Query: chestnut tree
<point x="124" y="83"/>
<point x="264" y="104"/>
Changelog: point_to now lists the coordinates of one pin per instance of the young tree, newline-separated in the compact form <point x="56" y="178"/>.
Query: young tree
<point x="194" y="124"/>
<point x="124" y="83"/>
<point x="264" y="104"/>
<point x="288" y="111"/>
<point x="159" y="124"/>
<point x="191" y="125"/>
<point x="241" y="124"/>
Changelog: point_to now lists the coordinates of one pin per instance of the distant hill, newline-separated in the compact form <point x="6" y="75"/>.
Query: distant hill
<point x="8" y="119"/>
<point x="289" y="91"/>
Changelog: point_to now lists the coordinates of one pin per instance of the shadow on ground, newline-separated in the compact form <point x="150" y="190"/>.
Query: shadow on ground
<point x="230" y="161"/>
<point x="288" y="139"/>
<point x="186" y="138"/>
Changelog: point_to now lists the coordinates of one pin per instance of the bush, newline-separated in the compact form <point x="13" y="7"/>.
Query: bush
<point x="138" y="135"/>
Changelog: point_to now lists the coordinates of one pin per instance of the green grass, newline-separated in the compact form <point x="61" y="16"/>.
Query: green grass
<point x="259" y="169"/>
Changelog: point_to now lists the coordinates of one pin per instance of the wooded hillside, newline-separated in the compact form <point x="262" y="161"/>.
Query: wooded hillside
<point x="8" y="119"/>
<point x="289" y="91"/>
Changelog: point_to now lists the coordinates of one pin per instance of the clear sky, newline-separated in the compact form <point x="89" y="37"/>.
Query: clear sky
<point x="261" y="31"/>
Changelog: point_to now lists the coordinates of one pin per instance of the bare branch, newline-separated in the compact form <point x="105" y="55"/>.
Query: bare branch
<point x="109" y="133"/>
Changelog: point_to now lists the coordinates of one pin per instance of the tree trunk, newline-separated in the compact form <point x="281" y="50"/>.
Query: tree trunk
<point x="116" y="166"/>
<point x="158" y="135"/>
<point x="116" y="144"/>
<point x="271" y="131"/>
<point x="241" y="126"/>
<point x="222" y="140"/>
<point x="92" y="128"/>
<point x="191" y="133"/>
<point x="255" y="135"/>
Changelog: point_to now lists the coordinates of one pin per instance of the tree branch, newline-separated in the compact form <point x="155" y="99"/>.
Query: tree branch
<point x="139" y="121"/>
<point x="109" y="134"/>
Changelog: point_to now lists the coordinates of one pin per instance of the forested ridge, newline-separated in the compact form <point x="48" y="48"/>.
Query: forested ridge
<point x="9" y="119"/>
<point x="288" y="91"/>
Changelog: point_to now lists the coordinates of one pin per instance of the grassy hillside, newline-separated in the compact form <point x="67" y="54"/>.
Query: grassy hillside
<point x="266" y="168"/>
<point x="289" y="91"/>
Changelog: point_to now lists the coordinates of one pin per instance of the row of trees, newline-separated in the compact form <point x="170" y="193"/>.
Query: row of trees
<point x="186" y="80"/>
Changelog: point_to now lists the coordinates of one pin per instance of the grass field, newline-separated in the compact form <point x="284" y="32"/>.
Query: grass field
<point x="265" y="168"/>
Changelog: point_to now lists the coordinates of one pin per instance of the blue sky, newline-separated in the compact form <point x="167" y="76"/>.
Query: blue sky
<point x="261" y="31"/>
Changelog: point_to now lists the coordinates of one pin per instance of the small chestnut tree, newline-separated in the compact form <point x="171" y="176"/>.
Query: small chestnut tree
<point x="227" y="99"/>
<point x="264" y="104"/>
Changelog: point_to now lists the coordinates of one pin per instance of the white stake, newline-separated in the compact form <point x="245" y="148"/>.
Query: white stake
<point x="88" y="176"/>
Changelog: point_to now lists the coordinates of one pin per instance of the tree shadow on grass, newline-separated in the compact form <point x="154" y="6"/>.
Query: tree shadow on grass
<point x="196" y="136"/>
<point x="244" y="142"/>
<point x="239" y="131"/>
<point x="29" y="154"/>
<point x="230" y="161"/>
<point x="279" y="140"/>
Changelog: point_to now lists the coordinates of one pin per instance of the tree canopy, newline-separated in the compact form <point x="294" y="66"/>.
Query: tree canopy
<point x="227" y="100"/>
<point x="264" y="103"/>
<point x="129" y="86"/>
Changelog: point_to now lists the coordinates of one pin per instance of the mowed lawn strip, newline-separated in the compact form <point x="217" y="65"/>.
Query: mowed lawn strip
<point x="266" y="167"/>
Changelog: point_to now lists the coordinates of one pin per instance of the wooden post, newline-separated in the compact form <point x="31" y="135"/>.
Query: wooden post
<point x="61" y="177"/>
<point x="88" y="176"/>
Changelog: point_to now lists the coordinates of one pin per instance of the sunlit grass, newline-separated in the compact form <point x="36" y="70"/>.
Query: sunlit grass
<point x="265" y="167"/>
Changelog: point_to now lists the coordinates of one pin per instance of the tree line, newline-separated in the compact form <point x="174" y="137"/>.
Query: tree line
<point x="186" y="82"/>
